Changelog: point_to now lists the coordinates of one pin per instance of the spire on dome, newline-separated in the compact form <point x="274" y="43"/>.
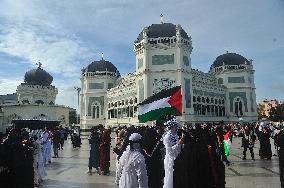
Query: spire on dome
<point x="39" y="64"/>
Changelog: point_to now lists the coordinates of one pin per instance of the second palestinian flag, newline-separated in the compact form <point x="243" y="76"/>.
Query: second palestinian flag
<point x="166" y="102"/>
<point x="227" y="143"/>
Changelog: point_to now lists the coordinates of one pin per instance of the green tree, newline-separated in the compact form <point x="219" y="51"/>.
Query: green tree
<point x="277" y="113"/>
<point x="72" y="117"/>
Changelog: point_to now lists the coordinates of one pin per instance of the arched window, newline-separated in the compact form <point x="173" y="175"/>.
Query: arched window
<point x="207" y="100"/>
<point x="212" y="110"/>
<point x="194" y="99"/>
<point x="195" y="109"/>
<point x="96" y="110"/>
<point x="238" y="106"/>
<point x="208" y="109"/>
<point x="203" y="112"/>
<point x="198" y="99"/>
<point x="216" y="110"/>
<point x="39" y="102"/>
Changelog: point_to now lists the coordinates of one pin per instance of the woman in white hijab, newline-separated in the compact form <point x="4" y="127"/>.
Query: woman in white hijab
<point x="132" y="168"/>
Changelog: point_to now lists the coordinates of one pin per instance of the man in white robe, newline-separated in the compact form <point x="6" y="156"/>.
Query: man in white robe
<point x="173" y="148"/>
<point x="132" y="171"/>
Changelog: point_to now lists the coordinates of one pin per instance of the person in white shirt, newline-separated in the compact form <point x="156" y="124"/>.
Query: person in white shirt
<point x="173" y="147"/>
<point x="132" y="171"/>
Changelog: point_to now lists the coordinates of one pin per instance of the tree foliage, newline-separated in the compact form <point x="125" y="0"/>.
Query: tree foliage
<point x="276" y="114"/>
<point x="72" y="117"/>
<point x="261" y="112"/>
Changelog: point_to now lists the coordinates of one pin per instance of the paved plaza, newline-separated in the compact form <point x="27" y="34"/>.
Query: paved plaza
<point x="70" y="170"/>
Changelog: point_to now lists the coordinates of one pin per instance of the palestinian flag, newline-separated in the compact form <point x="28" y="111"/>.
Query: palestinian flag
<point x="227" y="143"/>
<point x="166" y="102"/>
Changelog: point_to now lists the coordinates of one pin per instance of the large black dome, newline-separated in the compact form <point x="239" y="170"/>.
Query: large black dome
<point x="230" y="59"/>
<point x="161" y="30"/>
<point x="101" y="65"/>
<point x="38" y="77"/>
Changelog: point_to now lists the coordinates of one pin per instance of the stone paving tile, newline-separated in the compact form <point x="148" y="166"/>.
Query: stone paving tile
<point x="70" y="170"/>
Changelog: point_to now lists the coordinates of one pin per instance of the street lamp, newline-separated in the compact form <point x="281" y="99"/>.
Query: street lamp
<point x="78" y="89"/>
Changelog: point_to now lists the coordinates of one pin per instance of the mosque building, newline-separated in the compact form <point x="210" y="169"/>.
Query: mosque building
<point x="226" y="93"/>
<point x="34" y="100"/>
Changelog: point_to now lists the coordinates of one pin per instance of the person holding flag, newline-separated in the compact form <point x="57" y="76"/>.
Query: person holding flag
<point x="222" y="144"/>
<point x="227" y="141"/>
<point x="227" y="144"/>
<point x="173" y="148"/>
<point x="165" y="103"/>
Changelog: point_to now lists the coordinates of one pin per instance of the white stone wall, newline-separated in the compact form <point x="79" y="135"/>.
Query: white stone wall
<point x="32" y="93"/>
<point x="37" y="112"/>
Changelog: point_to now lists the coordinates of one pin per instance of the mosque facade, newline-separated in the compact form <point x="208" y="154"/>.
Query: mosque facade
<point x="34" y="100"/>
<point x="163" y="60"/>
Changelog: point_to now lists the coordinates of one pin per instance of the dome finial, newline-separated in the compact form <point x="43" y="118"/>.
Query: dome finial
<point x="39" y="64"/>
<point x="227" y="51"/>
<point x="102" y="56"/>
<point x="162" y="18"/>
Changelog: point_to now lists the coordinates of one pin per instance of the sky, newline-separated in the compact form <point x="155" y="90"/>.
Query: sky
<point x="67" y="35"/>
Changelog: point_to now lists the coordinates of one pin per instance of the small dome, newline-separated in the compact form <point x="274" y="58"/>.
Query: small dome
<point x="101" y="65"/>
<point x="230" y="59"/>
<point x="38" y="77"/>
<point x="161" y="30"/>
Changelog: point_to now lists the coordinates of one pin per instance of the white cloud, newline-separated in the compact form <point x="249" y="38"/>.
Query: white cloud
<point x="59" y="54"/>
<point x="67" y="95"/>
<point x="9" y="86"/>
<point x="68" y="34"/>
<point x="29" y="32"/>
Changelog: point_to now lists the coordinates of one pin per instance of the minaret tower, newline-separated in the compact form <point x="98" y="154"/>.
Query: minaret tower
<point x="96" y="79"/>
<point x="163" y="61"/>
<point x="236" y="73"/>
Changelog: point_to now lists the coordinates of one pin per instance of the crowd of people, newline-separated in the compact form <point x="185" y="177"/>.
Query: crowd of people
<point x="26" y="153"/>
<point x="166" y="155"/>
<point x="191" y="156"/>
